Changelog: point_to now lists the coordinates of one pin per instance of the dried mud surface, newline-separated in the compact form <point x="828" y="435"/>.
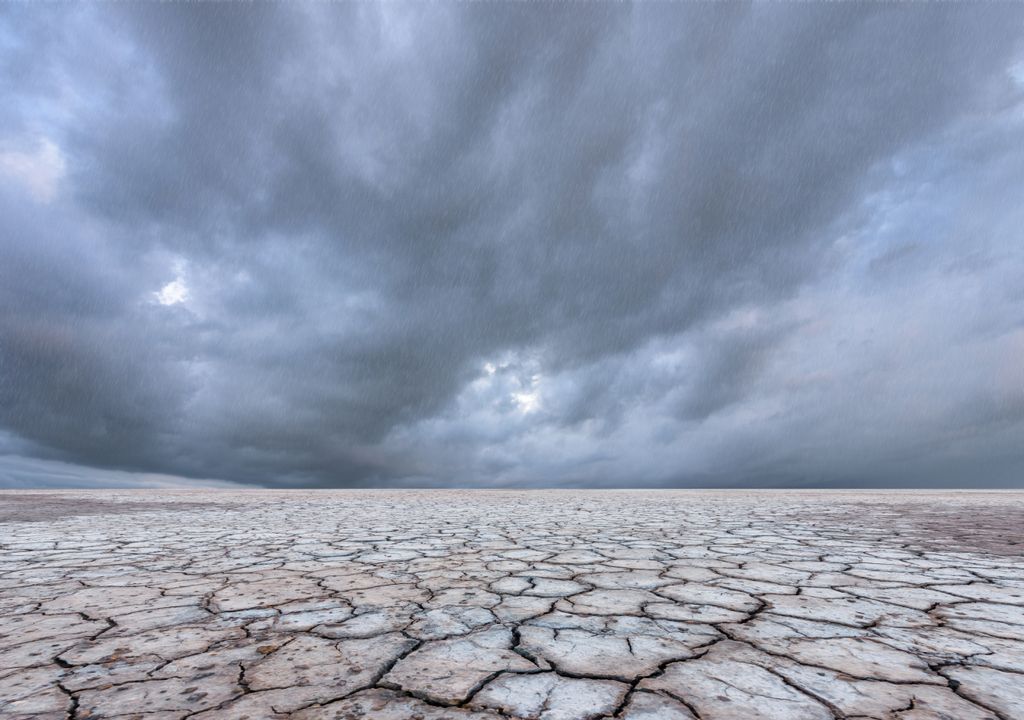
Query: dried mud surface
<point x="480" y="605"/>
<point x="36" y="507"/>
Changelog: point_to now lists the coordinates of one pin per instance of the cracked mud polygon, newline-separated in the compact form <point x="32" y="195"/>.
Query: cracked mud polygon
<point x="480" y="605"/>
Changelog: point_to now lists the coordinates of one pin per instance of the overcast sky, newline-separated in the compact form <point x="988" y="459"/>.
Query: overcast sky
<point x="669" y="244"/>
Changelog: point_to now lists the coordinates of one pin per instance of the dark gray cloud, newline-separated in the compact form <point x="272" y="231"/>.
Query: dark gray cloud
<point x="478" y="243"/>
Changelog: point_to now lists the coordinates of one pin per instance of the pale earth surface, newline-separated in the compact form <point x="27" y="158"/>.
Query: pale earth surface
<point x="479" y="605"/>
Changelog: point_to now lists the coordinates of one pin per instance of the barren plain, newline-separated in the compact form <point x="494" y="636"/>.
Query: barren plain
<point x="480" y="605"/>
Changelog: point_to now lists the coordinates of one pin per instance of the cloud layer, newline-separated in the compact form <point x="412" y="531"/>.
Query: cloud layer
<point x="496" y="244"/>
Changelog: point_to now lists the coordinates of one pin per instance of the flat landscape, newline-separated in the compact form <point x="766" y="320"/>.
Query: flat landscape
<point x="479" y="605"/>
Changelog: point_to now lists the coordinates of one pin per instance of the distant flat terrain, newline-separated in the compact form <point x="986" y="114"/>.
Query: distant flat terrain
<point x="480" y="605"/>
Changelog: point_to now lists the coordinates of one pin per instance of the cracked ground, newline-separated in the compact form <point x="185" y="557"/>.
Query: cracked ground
<point x="479" y="605"/>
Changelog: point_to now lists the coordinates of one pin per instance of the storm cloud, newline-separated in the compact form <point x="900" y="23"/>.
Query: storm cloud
<point x="512" y="244"/>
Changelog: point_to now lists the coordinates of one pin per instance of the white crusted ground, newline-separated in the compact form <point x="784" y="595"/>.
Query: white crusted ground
<point x="473" y="605"/>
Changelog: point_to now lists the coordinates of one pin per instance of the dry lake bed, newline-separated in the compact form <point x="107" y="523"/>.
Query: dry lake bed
<point x="479" y="605"/>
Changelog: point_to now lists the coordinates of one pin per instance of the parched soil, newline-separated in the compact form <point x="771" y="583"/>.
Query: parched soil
<point x="539" y="605"/>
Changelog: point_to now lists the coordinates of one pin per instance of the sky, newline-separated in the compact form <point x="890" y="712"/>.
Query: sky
<point x="512" y="244"/>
